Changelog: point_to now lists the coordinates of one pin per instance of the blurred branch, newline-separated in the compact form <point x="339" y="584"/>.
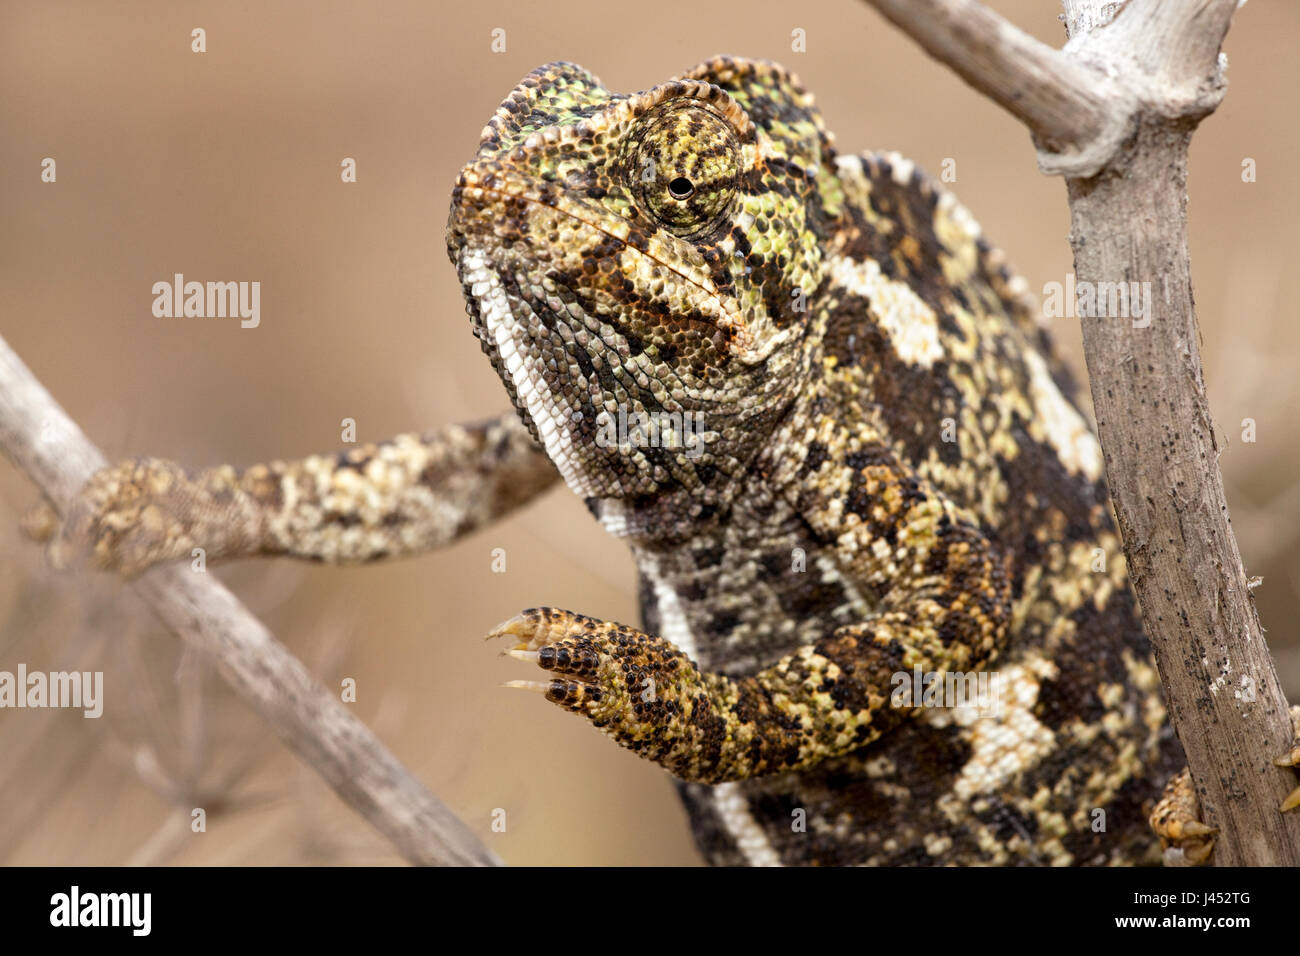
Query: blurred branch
<point x="42" y="440"/>
<point x="1114" y="112"/>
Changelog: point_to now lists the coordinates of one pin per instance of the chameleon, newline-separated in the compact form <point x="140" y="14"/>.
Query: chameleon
<point x="822" y="412"/>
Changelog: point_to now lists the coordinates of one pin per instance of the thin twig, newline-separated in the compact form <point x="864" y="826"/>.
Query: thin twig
<point x="42" y="440"/>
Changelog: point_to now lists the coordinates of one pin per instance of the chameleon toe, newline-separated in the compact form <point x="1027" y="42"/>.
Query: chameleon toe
<point x="536" y="627"/>
<point x="573" y="658"/>
<point x="1292" y="801"/>
<point x="573" y="694"/>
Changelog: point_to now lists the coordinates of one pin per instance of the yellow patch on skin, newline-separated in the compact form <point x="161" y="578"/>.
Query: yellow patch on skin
<point x="957" y="229"/>
<point x="1059" y="424"/>
<point x="911" y="325"/>
<point x="937" y="845"/>
<point x="1004" y="747"/>
<point x="1145" y="678"/>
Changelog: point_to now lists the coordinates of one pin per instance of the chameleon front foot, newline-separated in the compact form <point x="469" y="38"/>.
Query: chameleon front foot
<point x="1292" y="759"/>
<point x="652" y="699"/>
<point x="818" y="702"/>
<point x="633" y="686"/>
<point x="1176" y="819"/>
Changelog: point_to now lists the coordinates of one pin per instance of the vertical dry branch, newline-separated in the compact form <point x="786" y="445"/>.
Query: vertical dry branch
<point x="1114" y="112"/>
<point x="42" y="440"/>
<point x="1129" y="224"/>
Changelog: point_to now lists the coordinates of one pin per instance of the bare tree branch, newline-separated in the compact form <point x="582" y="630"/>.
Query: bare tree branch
<point x="1066" y="103"/>
<point x="42" y="440"/>
<point x="1114" y="112"/>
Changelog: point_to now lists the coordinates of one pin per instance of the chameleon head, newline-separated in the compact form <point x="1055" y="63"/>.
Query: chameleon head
<point x="639" y="267"/>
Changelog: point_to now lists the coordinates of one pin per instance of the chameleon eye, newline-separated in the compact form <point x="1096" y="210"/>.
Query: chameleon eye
<point x="685" y="167"/>
<point x="681" y="188"/>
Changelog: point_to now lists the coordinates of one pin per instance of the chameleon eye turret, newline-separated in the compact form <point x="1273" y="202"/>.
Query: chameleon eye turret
<point x="685" y="167"/>
<point x="625" y="270"/>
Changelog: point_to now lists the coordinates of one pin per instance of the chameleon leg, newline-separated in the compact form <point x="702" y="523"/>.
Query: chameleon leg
<point x="823" y="700"/>
<point x="949" y="612"/>
<point x="399" y="497"/>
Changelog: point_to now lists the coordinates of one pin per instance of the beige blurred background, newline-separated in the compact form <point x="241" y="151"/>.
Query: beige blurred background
<point x="225" y="166"/>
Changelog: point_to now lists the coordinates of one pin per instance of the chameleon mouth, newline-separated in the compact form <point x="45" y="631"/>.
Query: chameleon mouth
<point x="509" y="337"/>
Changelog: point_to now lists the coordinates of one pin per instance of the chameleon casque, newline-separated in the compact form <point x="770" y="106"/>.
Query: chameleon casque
<point x="889" y="476"/>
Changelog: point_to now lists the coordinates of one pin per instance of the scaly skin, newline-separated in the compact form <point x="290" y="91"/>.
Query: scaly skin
<point x="368" y="502"/>
<point x="865" y="460"/>
<point x="892" y="475"/>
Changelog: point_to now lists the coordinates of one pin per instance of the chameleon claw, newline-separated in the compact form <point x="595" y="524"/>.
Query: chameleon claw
<point x="519" y="654"/>
<point x="513" y="627"/>
<point x="1291" y="802"/>
<point x="1193" y="829"/>
<point x="538" y="686"/>
<point x="535" y="627"/>
<point x="571" y="694"/>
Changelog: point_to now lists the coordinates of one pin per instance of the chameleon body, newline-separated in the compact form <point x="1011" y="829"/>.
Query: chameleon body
<point x="817" y="406"/>
<point x="892" y="477"/>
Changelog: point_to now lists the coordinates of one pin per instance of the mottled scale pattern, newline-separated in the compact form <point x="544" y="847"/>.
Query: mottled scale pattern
<point x="370" y="501"/>
<point x="894" y="475"/>
<point x="866" y="461"/>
